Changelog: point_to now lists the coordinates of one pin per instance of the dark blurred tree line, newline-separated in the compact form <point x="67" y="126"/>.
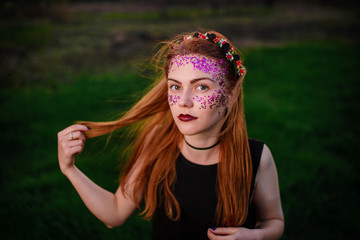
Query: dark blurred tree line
<point x="55" y="8"/>
<point x="29" y="9"/>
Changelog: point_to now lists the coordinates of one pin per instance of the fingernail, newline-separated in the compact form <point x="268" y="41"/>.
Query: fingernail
<point x="88" y="127"/>
<point x="213" y="229"/>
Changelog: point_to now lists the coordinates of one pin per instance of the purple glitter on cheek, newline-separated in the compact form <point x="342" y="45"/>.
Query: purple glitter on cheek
<point x="217" y="99"/>
<point x="221" y="81"/>
<point x="201" y="101"/>
<point x="173" y="99"/>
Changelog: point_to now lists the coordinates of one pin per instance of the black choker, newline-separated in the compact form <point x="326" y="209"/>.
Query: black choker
<point x="201" y="148"/>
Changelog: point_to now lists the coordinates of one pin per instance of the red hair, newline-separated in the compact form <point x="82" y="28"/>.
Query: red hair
<point x="160" y="150"/>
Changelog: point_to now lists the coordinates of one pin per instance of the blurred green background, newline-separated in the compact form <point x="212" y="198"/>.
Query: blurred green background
<point x="63" y="61"/>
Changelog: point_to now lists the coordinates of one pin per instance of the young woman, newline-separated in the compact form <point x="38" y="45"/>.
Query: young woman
<point x="193" y="164"/>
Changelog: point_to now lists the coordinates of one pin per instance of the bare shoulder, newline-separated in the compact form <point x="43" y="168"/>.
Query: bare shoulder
<point x="266" y="181"/>
<point x="267" y="160"/>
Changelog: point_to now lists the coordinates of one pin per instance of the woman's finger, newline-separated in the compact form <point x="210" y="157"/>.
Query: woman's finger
<point x="213" y="236"/>
<point x="73" y="138"/>
<point x="73" y="128"/>
<point x="75" y="150"/>
<point x="76" y="136"/>
<point x="77" y="142"/>
<point x="224" y="230"/>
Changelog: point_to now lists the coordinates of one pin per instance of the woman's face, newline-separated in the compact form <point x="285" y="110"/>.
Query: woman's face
<point x="197" y="94"/>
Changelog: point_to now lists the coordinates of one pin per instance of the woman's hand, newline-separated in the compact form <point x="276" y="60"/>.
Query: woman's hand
<point x="233" y="233"/>
<point x="71" y="142"/>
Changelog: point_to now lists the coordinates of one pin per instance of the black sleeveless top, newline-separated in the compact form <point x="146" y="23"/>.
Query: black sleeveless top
<point x="195" y="191"/>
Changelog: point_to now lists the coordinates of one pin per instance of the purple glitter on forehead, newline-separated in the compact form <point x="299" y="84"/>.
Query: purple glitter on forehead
<point x="207" y="65"/>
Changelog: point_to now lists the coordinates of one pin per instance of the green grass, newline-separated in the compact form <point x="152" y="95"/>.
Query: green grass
<point x="300" y="99"/>
<point x="35" y="194"/>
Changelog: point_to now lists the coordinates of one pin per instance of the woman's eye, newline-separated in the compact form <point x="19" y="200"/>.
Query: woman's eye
<point x="202" y="87"/>
<point x="174" y="87"/>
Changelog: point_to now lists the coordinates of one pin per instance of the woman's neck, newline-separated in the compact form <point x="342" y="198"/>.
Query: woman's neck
<point x="204" y="156"/>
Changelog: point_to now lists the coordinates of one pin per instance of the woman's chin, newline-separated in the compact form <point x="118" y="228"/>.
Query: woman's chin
<point x="188" y="130"/>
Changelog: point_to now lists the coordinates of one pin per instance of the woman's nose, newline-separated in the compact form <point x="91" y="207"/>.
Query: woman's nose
<point x="186" y="99"/>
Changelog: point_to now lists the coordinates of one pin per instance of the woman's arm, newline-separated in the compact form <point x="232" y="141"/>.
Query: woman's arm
<point x="267" y="198"/>
<point x="112" y="209"/>
<point x="267" y="204"/>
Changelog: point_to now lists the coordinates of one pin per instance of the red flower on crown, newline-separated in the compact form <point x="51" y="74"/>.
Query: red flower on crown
<point x="238" y="64"/>
<point x="216" y="40"/>
<point x="228" y="49"/>
<point x="229" y="56"/>
<point x="201" y="36"/>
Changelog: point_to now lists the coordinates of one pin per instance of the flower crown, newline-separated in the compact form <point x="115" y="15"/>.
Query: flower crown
<point x="225" y="46"/>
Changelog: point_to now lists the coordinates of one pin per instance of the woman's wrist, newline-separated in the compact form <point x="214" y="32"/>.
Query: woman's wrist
<point x="67" y="170"/>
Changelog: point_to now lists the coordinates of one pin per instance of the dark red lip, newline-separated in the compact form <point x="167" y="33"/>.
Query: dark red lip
<point x="186" y="117"/>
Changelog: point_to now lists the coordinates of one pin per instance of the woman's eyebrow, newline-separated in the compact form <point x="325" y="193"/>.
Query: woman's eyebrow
<point x="193" y="80"/>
